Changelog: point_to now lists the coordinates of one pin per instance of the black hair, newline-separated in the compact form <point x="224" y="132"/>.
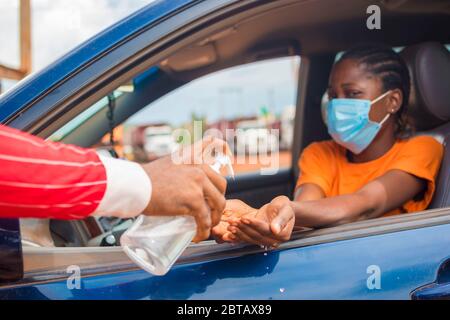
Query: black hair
<point x="382" y="61"/>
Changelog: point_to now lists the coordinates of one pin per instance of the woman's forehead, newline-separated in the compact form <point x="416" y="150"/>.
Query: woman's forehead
<point x="349" y="72"/>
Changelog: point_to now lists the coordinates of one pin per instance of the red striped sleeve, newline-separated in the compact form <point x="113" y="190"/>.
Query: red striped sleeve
<point x="42" y="179"/>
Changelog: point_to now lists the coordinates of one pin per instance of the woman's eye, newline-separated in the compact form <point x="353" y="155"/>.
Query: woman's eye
<point x="353" y="94"/>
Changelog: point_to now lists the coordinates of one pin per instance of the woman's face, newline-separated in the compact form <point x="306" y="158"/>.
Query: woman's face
<point x="349" y="79"/>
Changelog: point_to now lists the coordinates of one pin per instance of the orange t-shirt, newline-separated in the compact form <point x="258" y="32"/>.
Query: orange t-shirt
<point x="326" y="165"/>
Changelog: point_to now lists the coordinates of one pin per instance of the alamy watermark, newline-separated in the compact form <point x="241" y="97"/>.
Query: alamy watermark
<point x="373" y="22"/>
<point x="74" y="279"/>
<point x="374" y="279"/>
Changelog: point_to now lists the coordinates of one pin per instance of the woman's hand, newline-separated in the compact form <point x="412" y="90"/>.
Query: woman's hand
<point x="234" y="210"/>
<point x="271" y="225"/>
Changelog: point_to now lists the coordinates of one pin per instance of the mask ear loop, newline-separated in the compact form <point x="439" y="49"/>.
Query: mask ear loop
<point x="385" y="119"/>
<point x="378" y="99"/>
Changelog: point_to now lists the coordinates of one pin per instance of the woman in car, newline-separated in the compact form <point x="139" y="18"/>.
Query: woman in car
<point x="373" y="167"/>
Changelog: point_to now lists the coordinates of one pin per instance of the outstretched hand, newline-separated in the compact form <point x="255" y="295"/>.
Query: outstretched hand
<point x="234" y="210"/>
<point x="269" y="226"/>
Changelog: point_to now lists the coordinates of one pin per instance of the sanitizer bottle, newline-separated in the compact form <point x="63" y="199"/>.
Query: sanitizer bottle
<point x="155" y="242"/>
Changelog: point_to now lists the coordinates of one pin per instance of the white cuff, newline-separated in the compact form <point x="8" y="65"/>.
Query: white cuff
<point x="128" y="189"/>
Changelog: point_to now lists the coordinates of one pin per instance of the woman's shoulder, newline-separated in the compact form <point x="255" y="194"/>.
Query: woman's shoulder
<point x="423" y="143"/>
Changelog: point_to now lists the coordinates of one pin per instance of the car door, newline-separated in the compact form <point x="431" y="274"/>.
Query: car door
<point x="389" y="258"/>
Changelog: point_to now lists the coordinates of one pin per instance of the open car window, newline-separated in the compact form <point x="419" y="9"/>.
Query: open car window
<point x="251" y="106"/>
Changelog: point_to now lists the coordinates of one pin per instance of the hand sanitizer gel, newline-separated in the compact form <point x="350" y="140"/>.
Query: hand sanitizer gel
<point x="155" y="242"/>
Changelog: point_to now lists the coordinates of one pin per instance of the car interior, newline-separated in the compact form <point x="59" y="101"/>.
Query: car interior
<point x="308" y="29"/>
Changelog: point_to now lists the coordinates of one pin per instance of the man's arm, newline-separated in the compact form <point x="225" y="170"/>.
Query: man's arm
<point x="42" y="179"/>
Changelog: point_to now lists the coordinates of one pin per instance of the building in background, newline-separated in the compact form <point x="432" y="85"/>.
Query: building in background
<point x="11" y="73"/>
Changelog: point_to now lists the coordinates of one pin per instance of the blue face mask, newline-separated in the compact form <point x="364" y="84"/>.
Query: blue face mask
<point x="349" y="124"/>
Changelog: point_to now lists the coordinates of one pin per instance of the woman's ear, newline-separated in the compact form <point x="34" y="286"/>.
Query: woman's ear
<point x="394" y="101"/>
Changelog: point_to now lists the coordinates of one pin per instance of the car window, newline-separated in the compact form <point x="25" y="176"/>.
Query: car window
<point x="252" y="107"/>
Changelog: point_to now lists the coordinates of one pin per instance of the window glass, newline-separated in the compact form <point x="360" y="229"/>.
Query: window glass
<point x="72" y="125"/>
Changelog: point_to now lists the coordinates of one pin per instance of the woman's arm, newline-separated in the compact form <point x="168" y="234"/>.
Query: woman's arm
<point x="308" y="192"/>
<point x="385" y="193"/>
<point x="311" y="208"/>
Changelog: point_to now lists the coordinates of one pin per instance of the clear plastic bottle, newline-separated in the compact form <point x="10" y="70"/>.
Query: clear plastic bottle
<point x="155" y="242"/>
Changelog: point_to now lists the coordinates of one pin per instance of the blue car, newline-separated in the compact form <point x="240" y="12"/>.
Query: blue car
<point x="170" y="45"/>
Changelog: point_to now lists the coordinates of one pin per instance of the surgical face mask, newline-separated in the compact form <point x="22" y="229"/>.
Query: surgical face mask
<point x="349" y="124"/>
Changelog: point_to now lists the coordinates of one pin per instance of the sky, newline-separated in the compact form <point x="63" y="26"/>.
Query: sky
<point x="60" y="25"/>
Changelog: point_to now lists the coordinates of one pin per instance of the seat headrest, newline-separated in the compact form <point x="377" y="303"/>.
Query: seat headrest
<point x="429" y="67"/>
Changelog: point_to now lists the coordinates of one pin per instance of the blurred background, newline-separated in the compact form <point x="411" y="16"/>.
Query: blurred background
<point x="54" y="27"/>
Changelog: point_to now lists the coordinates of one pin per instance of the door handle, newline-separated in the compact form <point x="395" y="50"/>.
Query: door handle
<point x="433" y="291"/>
<point x="438" y="290"/>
